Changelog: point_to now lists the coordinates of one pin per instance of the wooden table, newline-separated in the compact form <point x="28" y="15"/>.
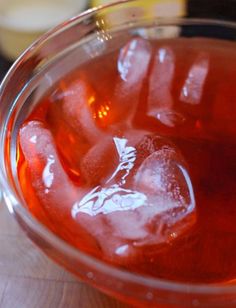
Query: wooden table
<point x="28" y="279"/>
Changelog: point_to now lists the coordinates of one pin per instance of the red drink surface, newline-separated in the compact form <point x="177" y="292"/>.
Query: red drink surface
<point x="131" y="158"/>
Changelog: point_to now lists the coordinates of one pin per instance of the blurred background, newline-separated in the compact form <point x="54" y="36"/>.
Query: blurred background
<point x="23" y="21"/>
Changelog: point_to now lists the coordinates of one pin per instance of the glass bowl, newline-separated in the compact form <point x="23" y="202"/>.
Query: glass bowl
<point x="49" y="59"/>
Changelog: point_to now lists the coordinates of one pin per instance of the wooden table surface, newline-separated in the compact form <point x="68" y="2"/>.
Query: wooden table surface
<point x="28" y="279"/>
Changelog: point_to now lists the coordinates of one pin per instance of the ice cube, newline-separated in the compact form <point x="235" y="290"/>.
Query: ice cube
<point x="160" y="101"/>
<point x="113" y="247"/>
<point x="155" y="210"/>
<point x="102" y="160"/>
<point x="77" y="112"/>
<point x="133" y="63"/>
<point x="55" y="192"/>
<point x="99" y="162"/>
<point x="193" y="87"/>
<point x="163" y="177"/>
<point x="109" y="216"/>
<point x="49" y="179"/>
<point x="162" y="174"/>
<point x="71" y="120"/>
<point x="51" y="188"/>
<point x="111" y="196"/>
<point x="104" y="204"/>
<point x="149" y="144"/>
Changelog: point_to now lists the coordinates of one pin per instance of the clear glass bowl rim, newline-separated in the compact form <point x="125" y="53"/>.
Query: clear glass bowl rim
<point x="14" y="205"/>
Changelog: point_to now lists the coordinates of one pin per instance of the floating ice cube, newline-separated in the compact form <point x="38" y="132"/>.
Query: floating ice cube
<point x="113" y="246"/>
<point x="160" y="100"/>
<point x="99" y="210"/>
<point x="162" y="174"/>
<point x="193" y="87"/>
<point x="156" y="209"/>
<point x="133" y="63"/>
<point x="77" y="112"/>
<point x="71" y="120"/>
<point x="112" y="197"/>
<point x="54" y="191"/>
<point x="163" y="177"/>
<point x="102" y="159"/>
<point x="52" y="185"/>
<point x="99" y="162"/>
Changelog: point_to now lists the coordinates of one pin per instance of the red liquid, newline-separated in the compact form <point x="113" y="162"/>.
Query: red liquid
<point x="131" y="158"/>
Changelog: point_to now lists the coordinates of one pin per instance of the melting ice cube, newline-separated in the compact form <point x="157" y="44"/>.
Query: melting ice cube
<point x="50" y="186"/>
<point x="193" y="87"/>
<point x="163" y="177"/>
<point x="133" y="63"/>
<point x="112" y="197"/>
<point x="77" y="111"/>
<point x="48" y="177"/>
<point x="157" y="208"/>
<point x="160" y="102"/>
<point x="99" y="210"/>
<point x="99" y="162"/>
<point x="72" y="123"/>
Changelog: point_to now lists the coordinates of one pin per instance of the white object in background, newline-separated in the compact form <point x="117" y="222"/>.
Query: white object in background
<point x="23" y="21"/>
